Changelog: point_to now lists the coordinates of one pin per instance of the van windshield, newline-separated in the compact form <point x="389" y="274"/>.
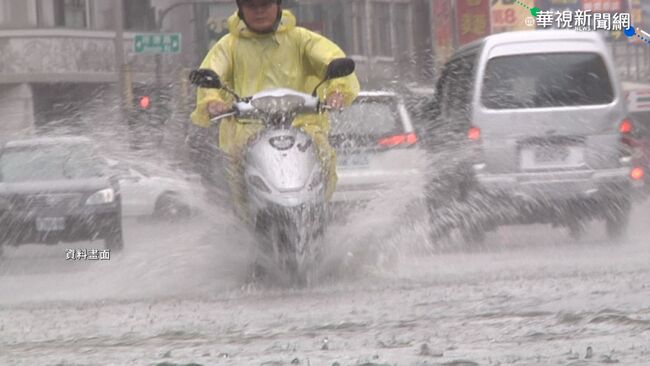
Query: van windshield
<point x="546" y="80"/>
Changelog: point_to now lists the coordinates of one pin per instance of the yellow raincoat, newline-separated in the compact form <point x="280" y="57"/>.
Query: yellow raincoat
<point x="291" y="57"/>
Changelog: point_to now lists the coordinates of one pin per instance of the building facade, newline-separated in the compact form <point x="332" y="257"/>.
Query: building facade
<point x="57" y="56"/>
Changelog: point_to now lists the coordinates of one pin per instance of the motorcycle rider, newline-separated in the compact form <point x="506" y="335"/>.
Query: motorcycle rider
<point x="265" y="49"/>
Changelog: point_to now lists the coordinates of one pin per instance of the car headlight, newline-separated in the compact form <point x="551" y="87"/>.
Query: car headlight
<point x="101" y="197"/>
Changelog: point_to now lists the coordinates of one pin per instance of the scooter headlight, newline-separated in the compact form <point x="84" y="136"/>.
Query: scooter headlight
<point x="102" y="197"/>
<point x="258" y="183"/>
<point x="278" y="104"/>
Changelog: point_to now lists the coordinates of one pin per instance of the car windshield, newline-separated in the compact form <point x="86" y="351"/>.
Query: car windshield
<point x="51" y="162"/>
<point x="369" y="118"/>
<point x="546" y="80"/>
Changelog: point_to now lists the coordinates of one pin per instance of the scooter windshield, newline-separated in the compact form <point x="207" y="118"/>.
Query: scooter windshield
<point x="278" y="104"/>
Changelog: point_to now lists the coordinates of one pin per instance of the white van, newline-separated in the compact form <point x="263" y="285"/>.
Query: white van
<point x="544" y="114"/>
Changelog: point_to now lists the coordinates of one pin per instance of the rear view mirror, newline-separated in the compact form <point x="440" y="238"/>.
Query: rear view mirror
<point x="340" y="67"/>
<point x="205" y="78"/>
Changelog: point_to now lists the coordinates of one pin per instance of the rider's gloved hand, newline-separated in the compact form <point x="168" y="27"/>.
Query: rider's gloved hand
<point x="218" y="108"/>
<point x="335" y="100"/>
<point x="205" y="78"/>
<point x="195" y="76"/>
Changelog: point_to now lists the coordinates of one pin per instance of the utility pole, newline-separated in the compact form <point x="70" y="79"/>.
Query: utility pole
<point x="119" y="54"/>
<point x="369" y="46"/>
<point x="433" y="28"/>
<point x="158" y="56"/>
<point x="454" y="24"/>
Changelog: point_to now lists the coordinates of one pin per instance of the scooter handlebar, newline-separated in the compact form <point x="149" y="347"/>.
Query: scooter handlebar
<point x="230" y="113"/>
<point x="244" y="109"/>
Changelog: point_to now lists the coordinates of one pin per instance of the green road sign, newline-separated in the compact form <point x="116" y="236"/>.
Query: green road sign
<point x="157" y="43"/>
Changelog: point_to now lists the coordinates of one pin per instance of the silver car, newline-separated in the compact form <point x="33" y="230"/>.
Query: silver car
<point x="545" y="121"/>
<point x="377" y="149"/>
<point x="166" y="194"/>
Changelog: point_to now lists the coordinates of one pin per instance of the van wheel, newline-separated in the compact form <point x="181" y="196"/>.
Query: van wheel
<point x="257" y="272"/>
<point x="168" y="208"/>
<point x="465" y="187"/>
<point x="473" y="235"/>
<point x="114" y="241"/>
<point x="617" y="221"/>
<point x="576" y="229"/>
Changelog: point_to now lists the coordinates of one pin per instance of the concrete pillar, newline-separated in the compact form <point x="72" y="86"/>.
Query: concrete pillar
<point x="16" y="111"/>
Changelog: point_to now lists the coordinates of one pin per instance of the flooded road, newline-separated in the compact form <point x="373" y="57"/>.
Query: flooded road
<point x="179" y="295"/>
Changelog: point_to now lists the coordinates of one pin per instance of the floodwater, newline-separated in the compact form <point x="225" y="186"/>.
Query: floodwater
<point x="179" y="294"/>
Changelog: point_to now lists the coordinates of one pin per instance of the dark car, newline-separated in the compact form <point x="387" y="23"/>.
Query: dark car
<point x="57" y="190"/>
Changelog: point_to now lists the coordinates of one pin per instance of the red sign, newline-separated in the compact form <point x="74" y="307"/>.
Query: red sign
<point x="558" y="5"/>
<point x="442" y="17"/>
<point x="505" y="16"/>
<point x="603" y="6"/>
<point x="473" y="20"/>
<point x="508" y="15"/>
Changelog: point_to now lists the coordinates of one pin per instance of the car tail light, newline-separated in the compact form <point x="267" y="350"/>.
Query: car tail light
<point x="627" y="138"/>
<point x="474" y="133"/>
<point x="637" y="173"/>
<point x="626" y="127"/>
<point x="406" y="139"/>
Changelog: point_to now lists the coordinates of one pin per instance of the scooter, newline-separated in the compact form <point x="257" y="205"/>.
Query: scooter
<point x="283" y="174"/>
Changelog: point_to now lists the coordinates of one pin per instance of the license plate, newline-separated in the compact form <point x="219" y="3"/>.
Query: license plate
<point x="50" y="224"/>
<point x="550" y="157"/>
<point x="551" y="154"/>
<point x="356" y="160"/>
